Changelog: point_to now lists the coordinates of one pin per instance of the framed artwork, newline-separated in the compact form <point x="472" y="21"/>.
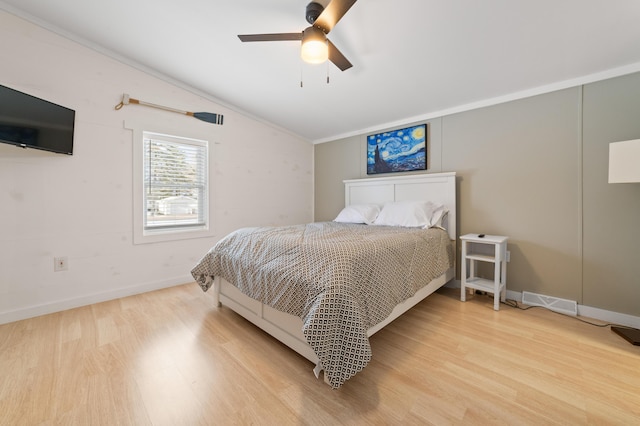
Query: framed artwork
<point x="398" y="150"/>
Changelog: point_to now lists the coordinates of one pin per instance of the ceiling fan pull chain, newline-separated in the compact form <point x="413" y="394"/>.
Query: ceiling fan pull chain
<point x="301" y="68"/>
<point x="327" y="72"/>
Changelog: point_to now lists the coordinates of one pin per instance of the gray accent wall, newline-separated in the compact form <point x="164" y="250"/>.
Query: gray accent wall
<point x="611" y="211"/>
<point x="535" y="170"/>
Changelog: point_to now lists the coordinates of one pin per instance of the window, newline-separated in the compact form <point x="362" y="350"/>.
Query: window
<point x="171" y="188"/>
<point x="174" y="183"/>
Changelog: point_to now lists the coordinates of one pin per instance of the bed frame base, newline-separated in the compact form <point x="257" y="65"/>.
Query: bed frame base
<point x="288" y="328"/>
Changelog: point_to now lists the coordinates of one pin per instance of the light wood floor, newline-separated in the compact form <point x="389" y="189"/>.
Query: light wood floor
<point x="171" y="358"/>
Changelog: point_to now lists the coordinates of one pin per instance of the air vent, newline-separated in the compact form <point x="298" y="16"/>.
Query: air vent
<point x="564" y="306"/>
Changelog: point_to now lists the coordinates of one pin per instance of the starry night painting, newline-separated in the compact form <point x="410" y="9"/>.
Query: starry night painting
<point x="397" y="151"/>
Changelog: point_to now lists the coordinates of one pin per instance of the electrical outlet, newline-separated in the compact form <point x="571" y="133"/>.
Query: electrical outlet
<point x="60" y="264"/>
<point x="508" y="256"/>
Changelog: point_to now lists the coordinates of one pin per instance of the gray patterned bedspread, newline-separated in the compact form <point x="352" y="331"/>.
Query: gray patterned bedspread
<point x="340" y="279"/>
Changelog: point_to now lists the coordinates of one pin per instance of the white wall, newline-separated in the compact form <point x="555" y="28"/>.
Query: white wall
<point x="80" y="206"/>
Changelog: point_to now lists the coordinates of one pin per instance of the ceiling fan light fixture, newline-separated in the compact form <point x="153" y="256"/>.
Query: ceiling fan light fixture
<point x="315" y="49"/>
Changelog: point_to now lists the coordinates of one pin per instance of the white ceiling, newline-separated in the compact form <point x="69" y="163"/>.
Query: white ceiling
<point x="412" y="59"/>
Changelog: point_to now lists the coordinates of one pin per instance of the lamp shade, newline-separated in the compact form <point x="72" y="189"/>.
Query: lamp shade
<point x="314" y="46"/>
<point x="624" y="161"/>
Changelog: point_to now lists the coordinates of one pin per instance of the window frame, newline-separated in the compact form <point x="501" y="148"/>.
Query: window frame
<point x="145" y="236"/>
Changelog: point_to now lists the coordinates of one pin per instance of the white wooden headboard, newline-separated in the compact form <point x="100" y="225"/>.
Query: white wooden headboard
<point x="436" y="187"/>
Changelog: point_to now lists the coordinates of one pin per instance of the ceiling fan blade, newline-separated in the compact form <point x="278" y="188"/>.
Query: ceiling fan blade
<point x="271" y="37"/>
<point x="332" y="14"/>
<point x="337" y="57"/>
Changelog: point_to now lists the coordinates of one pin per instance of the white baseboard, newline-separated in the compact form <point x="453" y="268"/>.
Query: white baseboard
<point x="63" y="305"/>
<point x="609" y="316"/>
<point x="583" y="311"/>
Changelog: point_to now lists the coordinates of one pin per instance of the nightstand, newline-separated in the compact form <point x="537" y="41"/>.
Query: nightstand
<point x="489" y="248"/>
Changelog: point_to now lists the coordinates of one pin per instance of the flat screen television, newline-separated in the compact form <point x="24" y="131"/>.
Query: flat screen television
<point x="30" y="122"/>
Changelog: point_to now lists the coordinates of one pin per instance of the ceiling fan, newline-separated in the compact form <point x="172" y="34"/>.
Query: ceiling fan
<point x="316" y="47"/>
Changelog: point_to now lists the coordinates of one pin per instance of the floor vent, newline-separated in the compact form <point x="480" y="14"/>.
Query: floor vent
<point x="569" y="307"/>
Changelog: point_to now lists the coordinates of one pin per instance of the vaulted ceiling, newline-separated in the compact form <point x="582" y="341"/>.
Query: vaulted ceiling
<point x="412" y="59"/>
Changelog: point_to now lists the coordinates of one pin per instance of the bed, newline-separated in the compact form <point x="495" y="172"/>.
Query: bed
<point x="324" y="288"/>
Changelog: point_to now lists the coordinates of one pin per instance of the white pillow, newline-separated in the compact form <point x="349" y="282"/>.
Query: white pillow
<point x="411" y="214"/>
<point x="359" y="213"/>
<point x="442" y="222"/>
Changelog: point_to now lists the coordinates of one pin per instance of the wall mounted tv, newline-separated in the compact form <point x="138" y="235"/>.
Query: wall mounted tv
<point x="30" y="122"/>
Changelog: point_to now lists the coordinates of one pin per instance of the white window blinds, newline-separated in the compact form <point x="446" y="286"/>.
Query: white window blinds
<point x="175" y="182"/>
